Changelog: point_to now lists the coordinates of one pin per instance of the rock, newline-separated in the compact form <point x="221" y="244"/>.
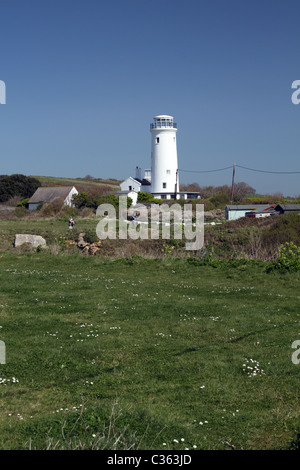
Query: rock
<point x="88" y="248"/>
<point x="33" y="240"/>
<point x="81" y="242"/>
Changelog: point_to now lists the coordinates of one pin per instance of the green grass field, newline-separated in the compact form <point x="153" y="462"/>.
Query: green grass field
<point x="146" y="354"/>
<point x="54" y="180"/>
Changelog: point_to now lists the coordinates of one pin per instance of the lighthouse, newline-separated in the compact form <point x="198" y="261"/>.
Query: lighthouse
<point x="162" y="179"/>
<point x="164" y="163"/>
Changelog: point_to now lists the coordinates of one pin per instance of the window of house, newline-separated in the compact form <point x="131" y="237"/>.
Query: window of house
<point x="130" y="188"/>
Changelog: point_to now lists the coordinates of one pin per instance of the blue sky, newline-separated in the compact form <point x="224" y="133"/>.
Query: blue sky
<point x="85" y="78"/>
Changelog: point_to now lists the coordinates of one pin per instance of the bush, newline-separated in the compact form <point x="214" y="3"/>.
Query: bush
<point x="17" y="185"/>
<point x="87" y="212"/>
<point x="208" y="205"/>
<point x="89" y="200"/>
<point x="23" y="203"/>
<point x="220" y="199"/>
<point x="67" y="211"/>
<point x="285" y="229"/>
<point x="47" y="210"/>
<point x="288" y="259"/>
<point x="90" y="236"/>
<point x="20" y="211"/>
<point x="83" y="199"/>
<point x="145" y="197"/>
<point x="57" y="204"/>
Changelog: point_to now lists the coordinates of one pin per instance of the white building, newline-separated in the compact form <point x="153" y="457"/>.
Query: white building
<point x="162" y="181"/>
<point x="234" y="212"/>
<point x="164" y="164"/>
<point x="132" y="186"/>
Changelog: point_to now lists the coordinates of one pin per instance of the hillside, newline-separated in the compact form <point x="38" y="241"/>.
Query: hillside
<point x="82" y="184"/>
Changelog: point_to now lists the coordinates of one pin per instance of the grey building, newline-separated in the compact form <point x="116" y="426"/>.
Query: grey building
<point x="233" y="212"/>
<point x="45" y="195"/>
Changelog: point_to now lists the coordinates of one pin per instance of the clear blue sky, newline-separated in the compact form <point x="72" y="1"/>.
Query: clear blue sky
<point x="85" y="78"/>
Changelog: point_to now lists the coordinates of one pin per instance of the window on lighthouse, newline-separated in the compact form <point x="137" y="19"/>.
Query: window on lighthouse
<point x="157" y="140"/>
<point x="164" y="185"/>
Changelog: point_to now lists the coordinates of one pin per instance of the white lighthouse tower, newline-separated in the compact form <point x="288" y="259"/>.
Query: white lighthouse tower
<point x="164" y="163"/>
<point x="162" y="180"/>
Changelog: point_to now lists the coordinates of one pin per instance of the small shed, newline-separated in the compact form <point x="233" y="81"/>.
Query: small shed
<point x="283" y="208"/>
<point x="45" y="195"/>
<point x="233" y="212"/>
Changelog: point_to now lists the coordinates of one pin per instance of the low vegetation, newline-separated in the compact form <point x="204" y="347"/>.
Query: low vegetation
<point x="141" y="344"/>
<point x="146" y="354"/>
<point x="243" y="239"/>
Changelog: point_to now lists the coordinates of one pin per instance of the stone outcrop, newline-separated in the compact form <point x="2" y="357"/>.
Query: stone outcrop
<point x="32" y="240"/>
<point x="81" y="241"/>
<point x="88" y="248"/>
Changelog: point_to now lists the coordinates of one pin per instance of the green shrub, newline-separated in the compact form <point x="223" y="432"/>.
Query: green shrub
<point x="285" y="229"/>
<point x="20" y="211"/>
<point x="47" y="210"/>
<point x="66" y="212"/>
<point x="90" y="236"/>
<point x="220" y="199"/>
<point x="17" y="185"/>
<point x="145" y="197"/>
<point x="74" y="234"/>
<point x="61" y="242"/>
<point x="23" y="203"/>
<point x="83" y="200"/>
<point x="288" y="259"/>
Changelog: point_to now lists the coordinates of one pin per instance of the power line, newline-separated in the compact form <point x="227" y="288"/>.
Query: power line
<point x="206" y="171"/>
<point x="244" y="168"/>
<point x="269" y="171"/>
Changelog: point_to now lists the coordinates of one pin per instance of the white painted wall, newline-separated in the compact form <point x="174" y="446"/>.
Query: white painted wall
<point x="234" y="215"/>
<point x="68" y="200"/>
<point x="130" y="184"/>
<point x="164" y="163"/>
<point x="134" y="196"/>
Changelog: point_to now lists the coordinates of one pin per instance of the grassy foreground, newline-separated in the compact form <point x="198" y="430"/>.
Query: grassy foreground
<point x="146" y="354"/>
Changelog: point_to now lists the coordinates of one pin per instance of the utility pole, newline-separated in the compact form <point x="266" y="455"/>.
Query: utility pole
<point x="232" y="185"/>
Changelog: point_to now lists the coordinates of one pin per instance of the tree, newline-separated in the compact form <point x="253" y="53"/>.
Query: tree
<point x="241" y="191"/>
<point x="17" y="185"/>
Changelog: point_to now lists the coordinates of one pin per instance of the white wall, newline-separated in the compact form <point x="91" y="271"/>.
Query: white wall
<point x="134" y="196"/>
<point x="68" y="200"/>
<point x="233" y="215"/>
<point x="135" y="185"/>
<point x="164" y="164"/>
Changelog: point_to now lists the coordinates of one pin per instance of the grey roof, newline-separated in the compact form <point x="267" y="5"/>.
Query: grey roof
<point x="143" y="181"/>
<point x="288" y="207"/>
<point x="48" y="194"/>
<point x="248" y="207"/>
